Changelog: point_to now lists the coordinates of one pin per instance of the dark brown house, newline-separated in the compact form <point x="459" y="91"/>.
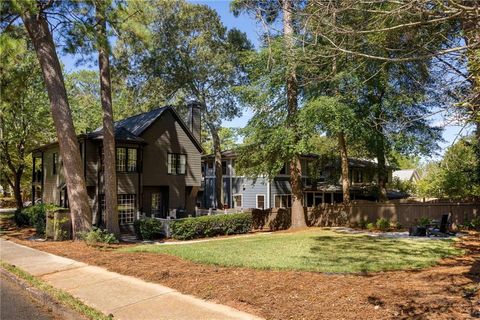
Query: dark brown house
<point x="158" y="161"/>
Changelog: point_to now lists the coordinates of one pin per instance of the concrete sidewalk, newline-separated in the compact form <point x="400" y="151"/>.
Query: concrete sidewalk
<point x="112" y="293"/>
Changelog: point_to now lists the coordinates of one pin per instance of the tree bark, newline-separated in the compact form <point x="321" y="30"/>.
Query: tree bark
<point x="39" y="32"/>
<point x="344" y="164"/>
<point x="381" y="169"/>
<point x="217" y="150"/>
<point x="17" y="189"/>
<point x="471" y="29"/>
<point x="109" y="173"/>
<point x="298" y="215"/>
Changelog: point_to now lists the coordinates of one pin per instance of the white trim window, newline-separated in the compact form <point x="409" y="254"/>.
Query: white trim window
<point x="283" y="200"/>
<point x="260" y="201"/>
<point x="237" y="200"/>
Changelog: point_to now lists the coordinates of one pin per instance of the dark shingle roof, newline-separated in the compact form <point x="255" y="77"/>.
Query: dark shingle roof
<point x="137" y="124"/>
<point x="120" y="134"/>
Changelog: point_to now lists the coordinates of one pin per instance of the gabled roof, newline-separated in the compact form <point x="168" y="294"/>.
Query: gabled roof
<point x="131" y="128"/>
<point x="139" y="123"/>
<point x="120" y="134"/>
<point x="406" y="174"/>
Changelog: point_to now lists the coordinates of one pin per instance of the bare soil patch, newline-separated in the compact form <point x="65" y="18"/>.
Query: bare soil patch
<point x="450" y="290"/>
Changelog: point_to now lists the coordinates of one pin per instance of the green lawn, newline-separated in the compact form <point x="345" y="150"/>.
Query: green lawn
<point x="313" y="250"/>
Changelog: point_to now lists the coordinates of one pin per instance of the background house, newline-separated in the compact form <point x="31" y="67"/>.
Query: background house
<point x="158" y="160"/>
<point x="410" y="175"/>
<point x="321" y="182"/>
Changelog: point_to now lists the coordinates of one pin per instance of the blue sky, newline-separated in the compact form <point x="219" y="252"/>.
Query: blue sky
<point x="250" y="27"/>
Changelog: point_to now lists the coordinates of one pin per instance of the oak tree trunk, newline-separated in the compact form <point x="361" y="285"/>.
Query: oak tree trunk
<point x="342" y="145"/>
<point x="39" y="32"/>
<point x="217" y="150"/>
<point x="17" y="189"/>
<point x="109" y="173"/>
<point x="298" y="215"/>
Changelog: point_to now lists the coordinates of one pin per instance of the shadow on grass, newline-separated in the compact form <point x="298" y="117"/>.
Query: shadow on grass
<point x="366" y="254"/>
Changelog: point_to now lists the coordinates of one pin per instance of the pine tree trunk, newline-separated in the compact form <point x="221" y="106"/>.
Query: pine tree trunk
<point x="217" y="150"/>
<point x="471" y="29"/>
<point x="344" y="160"/>
<point x="81" y="213"/>
<point x="109" y="174"/>
<point x="298" y="215"/>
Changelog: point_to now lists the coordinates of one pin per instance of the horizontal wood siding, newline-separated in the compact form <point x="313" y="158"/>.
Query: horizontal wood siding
<point x="249" y="189"/>
<point x="92" y="162"/>
<point x="167" y="136"/>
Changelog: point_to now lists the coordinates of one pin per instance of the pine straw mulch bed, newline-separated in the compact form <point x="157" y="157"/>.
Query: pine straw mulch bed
<point x="450" y="290"/>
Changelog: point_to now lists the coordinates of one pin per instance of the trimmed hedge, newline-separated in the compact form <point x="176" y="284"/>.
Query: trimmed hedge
<point x="210" y="226"/>
<point x="148" y="229"/>
<point x="34" y="216"/>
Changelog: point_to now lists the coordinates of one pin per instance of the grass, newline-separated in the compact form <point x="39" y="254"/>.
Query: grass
<point x="61" y="296"/>
<point x="313" y="250"/>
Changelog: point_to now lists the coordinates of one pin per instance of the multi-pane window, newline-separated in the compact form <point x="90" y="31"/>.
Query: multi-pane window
<point x="313" y="199"/>
<point x="126" y="208"/>
<point x="260" y="201"/>
<point x="126" y="159"/>
<point x="176" y="163"/>
<point x="132" y="160"/>
<point x="54" y="163"/>
<point x="120" y="159"/>
<point x="283" y="201"/>
<point x="237" y="200"/>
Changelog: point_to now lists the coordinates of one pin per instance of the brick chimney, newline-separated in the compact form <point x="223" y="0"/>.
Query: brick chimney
<point x="194" y="119"/>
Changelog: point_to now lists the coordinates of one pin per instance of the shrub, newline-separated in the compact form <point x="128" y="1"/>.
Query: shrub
<point x="473" y="224"/>
<point x="383" y="224"/>
<point x="34" y="216"/>
<point x="397" y="225"/>
<point x="370" y="226"/>
<point x="97" y="235"/>
<point x="363" y="224"/>
<point x="210" y="226"/>
<point x="148" y="229"/>
<point x="424" y="221"/>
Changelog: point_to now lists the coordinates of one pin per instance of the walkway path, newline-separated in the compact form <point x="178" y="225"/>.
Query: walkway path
<point x="112" y="293"/>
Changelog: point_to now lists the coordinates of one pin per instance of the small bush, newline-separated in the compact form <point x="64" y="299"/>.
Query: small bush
<point x="424" y="221"/>
<point x="148" y="229"/>
<point x="97" y="235"/>
<point x="210" y="226"/>
<point x="363" y="224"/>
<point x="397" y="225"/>
<point x="383" y="224"/>
<point x="370" y="226"/>
<point x="473" y="224"/>
<point x="34" y="216"/>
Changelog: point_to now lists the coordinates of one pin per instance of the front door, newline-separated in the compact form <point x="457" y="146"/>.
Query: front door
<point x="155" y="201"/>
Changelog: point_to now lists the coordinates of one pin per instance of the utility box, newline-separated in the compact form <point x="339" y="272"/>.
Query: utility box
<point x="59" y="224"/>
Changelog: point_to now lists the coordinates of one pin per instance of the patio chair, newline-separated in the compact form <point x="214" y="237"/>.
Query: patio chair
<point x="441" y="229"/>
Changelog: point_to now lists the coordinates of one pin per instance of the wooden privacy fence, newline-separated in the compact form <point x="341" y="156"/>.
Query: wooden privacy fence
<point x="329" y="215"/>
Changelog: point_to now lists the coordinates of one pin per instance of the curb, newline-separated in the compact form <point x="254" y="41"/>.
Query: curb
<point x="44" y="298"/>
